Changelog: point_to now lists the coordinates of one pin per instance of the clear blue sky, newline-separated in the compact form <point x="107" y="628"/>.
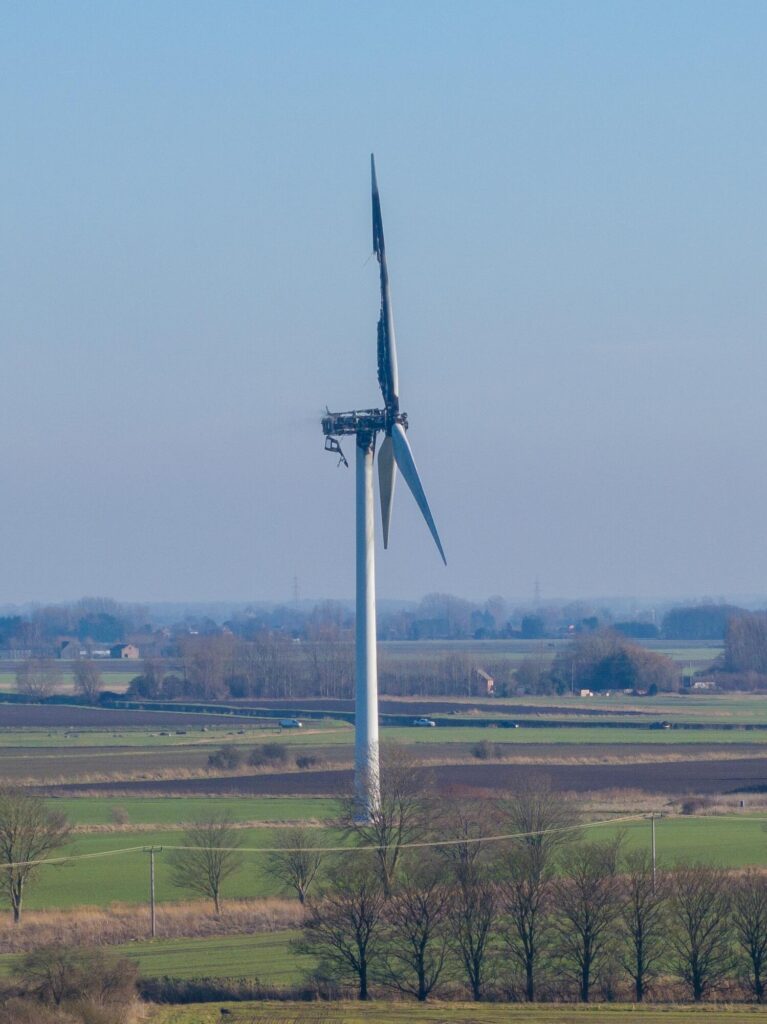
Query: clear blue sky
<point x="574" y="203"/>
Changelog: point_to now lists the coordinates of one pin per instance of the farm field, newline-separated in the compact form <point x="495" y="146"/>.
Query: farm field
<point x="119" y="874"/>
<point x="570" y="735"/>
<point x="170" y="811"/>
<point x="120" y="871"/>
<point x="265" y="956"/>
<point x="53" y="759"/>
<point x="166" y="754"/>
<point x="113" y="679"/>
<point x="461" y="1013"/>
<point x="680" y="650"/>
<point x="670" y="776"/>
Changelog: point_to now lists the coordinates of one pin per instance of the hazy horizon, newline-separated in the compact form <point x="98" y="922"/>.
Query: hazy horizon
<point x="575" y="220"/>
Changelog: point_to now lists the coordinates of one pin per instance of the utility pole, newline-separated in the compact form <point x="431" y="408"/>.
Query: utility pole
<point x="653" y="816"/>
<point x="152" y="850"/>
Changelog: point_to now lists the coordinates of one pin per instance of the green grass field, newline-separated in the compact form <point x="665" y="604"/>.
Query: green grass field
<point x="179" y="736"/>
<point x="569" y="735"/>
<point x="122" y="877"/>
<point x="460" y="1013"/>
<point x="111" y="679"/>
<point x="171" y="811"/>
<point x="265" y="956"/>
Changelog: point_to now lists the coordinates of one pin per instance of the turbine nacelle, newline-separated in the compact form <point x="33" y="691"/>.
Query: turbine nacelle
<point x="361" y="421"/>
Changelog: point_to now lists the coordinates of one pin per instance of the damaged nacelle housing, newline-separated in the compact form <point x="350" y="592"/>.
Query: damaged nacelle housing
<point x="359" y="421"/>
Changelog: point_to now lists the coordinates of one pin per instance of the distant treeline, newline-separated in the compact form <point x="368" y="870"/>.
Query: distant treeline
<point x="224" y="665"/>
<point x="98" y="622"/>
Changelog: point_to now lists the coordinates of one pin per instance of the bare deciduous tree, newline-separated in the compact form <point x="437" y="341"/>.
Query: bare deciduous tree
<point x="542" y="820"/>
<point x="299" y="860"/>
<point x="473" y="914"/>
<point x="88" y="680"/>
<point x="404" y="814"/>
<point x="464" y="823"/>
<point x="700" y="933"/>
<point x="210" y="856"/>
<point x="587" y="900"/>
<point x="417" y="933"/>
<point x="749" y="920"/>
<point x="28" y="832"/>
<point x="644" y="920"/>
<point x="344" y="927"/>
<point x="37" y="678"/>
<point x="59" y="973"/>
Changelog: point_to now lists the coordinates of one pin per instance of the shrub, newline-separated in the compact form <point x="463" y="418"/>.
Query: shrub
<point x="216" y="990"/>
<point x="484" y="750"/>
<point x="27" y="1011"/>
<point x="268" y="753"/>
<point x="306" y="761"/>
<point x="61" y="972"/>
<point x="694" y="805"/>
<point x="226" y="758"/>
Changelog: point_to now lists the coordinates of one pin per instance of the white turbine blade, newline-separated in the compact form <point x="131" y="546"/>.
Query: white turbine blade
<point x="406" y="463"/>
<point x="387" y="478"/>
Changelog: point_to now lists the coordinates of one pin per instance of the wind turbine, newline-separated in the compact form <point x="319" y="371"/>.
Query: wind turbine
<point x="395" y="453"/>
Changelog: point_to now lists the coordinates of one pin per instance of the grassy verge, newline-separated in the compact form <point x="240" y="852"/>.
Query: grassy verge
<point x="460" y="1013"/>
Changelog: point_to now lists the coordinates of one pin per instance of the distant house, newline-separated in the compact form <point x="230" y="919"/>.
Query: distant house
<point x="129" y="651"/>
<point x="484" y="684"/>
<point x="69" y="650"/>
<point x="586" y="693"/>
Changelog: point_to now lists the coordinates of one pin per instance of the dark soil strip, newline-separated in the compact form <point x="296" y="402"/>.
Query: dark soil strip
<point x="710" y="777"/>
<point x="62" y="716"/>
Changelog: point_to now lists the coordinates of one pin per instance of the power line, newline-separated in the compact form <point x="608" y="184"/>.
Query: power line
<point x="329" y="849"/>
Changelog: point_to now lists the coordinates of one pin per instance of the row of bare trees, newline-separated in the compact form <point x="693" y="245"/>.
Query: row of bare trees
<point x="501" y="927"/>
<point x="424" y="901"/>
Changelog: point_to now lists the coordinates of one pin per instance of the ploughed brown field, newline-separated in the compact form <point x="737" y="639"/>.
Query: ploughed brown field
<point x="64" y="716"/>
<point x="671" y="777"/>
<point x="52" y="764"/>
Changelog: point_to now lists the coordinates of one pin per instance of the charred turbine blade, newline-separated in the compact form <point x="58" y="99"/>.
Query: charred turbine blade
<point x="388" y="377"/>
<point x="406" y="464"/>
<point x="387" y="478"/>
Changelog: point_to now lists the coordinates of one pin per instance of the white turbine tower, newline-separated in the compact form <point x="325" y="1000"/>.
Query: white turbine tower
<point x="395" y="453"/>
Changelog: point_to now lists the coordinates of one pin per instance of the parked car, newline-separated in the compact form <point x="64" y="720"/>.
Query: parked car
<point x="290" y="723"/>
<point x="424" y="721"/>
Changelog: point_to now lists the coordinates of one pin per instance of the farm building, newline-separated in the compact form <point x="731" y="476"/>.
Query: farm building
<point x="69" y="650"/>
<point x="129" y="651"/>
<point x="484" y="684"/>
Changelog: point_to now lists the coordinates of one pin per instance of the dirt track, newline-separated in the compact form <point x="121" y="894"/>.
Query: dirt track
<point x="677" y="778"/>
